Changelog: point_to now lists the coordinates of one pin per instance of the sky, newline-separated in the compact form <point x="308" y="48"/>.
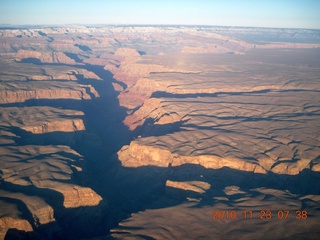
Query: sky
<point x="255" y="13"/>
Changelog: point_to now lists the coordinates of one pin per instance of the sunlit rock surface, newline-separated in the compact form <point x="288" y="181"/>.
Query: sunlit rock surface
<point x="39" y="120"/>
<point x="54" y="57"/>
<point x="55" y="166"/>
<point x="21" y="92"/>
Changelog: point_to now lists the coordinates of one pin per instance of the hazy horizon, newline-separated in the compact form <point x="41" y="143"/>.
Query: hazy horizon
<point x="230" y="13"/>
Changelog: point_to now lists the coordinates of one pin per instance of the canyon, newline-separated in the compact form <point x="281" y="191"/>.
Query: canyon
<point x="143" y="132"/>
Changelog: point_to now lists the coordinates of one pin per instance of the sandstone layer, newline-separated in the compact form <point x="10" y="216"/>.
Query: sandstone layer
<point x="54" y="57"/>
<point x="39" y="120"/>
<point x="21" y="92"/>
<point x="53" y="171"/>
<point x="42" y="213"/>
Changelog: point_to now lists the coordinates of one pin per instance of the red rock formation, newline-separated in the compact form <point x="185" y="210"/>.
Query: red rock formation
<point x="151" y="109"/>
<point x="7" y="223"/>
<point x="16" y="93"/>
<point x="127" y="53"/>
<point x="77" y="196"/>
<point x="68" y="75"/>
<point x="182" y="190"/>
<point x="130" y="73"/>
<point x="41" y="212"/>
<point x="39" y="120"/>
<point x="137" y="155"/>
<point x="49" y="172"/>
<point x="141" y="91"/>
<point x="73" y="195"/>
<point x="128" y="70"/>
<point x="68" y="125"/>
<point x="45" y="57"/>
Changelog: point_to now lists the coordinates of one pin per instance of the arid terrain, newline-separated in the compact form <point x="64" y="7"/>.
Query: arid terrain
<point x="159" y="132"/>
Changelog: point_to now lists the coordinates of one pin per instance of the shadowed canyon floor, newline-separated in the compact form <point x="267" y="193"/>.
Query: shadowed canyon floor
<point x="159" y="133"/>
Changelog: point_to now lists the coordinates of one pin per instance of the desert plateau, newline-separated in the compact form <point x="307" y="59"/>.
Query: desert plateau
<point x="159" y="132"/>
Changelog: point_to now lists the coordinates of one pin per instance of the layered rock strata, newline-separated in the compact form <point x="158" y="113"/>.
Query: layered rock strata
<point x="21" y="92"/>
<point x="44" y="57"/>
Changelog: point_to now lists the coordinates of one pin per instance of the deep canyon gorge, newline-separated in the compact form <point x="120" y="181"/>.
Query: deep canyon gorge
<point x="141" y="132"/>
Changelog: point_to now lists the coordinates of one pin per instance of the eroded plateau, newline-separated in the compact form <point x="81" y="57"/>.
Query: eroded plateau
<point x="141" y="132"/>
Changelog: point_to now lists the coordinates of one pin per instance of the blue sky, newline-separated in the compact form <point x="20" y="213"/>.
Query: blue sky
<point x="260" y="13"/>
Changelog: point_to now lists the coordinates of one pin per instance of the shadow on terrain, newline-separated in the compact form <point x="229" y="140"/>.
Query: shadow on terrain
<point x="150" y="181"/>
<point x="59" y="103"/>
<point x="14" y="233"/>
<point x="150" y="129"/>
<point x="73" y="56"/>
<point x="160" y="94"/>
<point x="137" y="189"/>
<point x="83" y="47"/>
<point x="70" y="223"/>
<point x="104" y="135"/>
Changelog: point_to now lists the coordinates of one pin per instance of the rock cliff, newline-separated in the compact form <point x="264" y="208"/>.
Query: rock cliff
<point x="151" y="109"/>
<point x="182" y="190"/>
<point x="7" y="223"/>
<point x="41" y="212"/>
<point x="40" y="120"/>
<point x="45" y="57"/>
<point x="47" y="173"/>
<point x="21" y="92"/>
<point x="138" y="155"/>
<point x="59" y="126"/>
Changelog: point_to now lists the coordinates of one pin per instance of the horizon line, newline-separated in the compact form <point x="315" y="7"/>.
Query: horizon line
<point x="17" y="26"/>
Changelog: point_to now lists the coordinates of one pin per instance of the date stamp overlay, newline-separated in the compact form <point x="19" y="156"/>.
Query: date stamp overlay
<point x="260" y="214"/>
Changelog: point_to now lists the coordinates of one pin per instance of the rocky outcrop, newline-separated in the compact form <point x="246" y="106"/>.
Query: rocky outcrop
<point x="72" y="74"/>
<point x="151" y="109"/>
<point x="182" y="190"/>
<point x="45" y="57"/>
<point x="127" y="53"/>
<point x="41" y="212"/>
<point x="136" y="155"/>
<point x="85" y="74"/>
<point x="59" y="126"/>
<point x="25" y="71"/>
<point x="22" y="96"/>
<point x="7" y="223"/>
<point x="47" y="167"/>
<point x="195" y="186"/>
<point x="130" y="73"/>
<point x="73" y="195"/>
<point x="10" y="218"/>
<point x="21" y="92"/>
<point x="39" y="120"/>
<point x="127" y="69"/>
